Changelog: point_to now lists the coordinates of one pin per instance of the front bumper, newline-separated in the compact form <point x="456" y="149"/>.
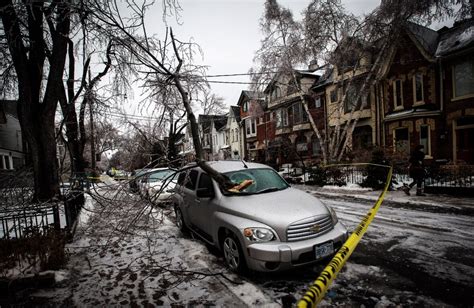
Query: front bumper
<point x="275" y="256"/>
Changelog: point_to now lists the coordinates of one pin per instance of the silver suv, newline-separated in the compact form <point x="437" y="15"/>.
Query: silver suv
<point x="266" y="226"/>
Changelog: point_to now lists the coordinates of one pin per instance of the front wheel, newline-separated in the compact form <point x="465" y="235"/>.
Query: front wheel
<point x="180" y="219"/>
<point x="234" y="257"/>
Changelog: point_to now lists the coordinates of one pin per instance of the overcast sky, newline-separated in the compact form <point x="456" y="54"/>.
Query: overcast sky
<point x="228" y="32"/>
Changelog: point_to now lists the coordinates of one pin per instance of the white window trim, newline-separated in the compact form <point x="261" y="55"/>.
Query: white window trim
<point x="415" y="102"/>
<point x="5" y="157"/>
<point x="248" y="123"/>
<point x="427" y="151"/>
<point x="397" y="107"/>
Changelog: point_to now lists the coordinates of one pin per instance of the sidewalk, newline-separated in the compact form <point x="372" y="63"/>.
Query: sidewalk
<point x="440" y="203"/>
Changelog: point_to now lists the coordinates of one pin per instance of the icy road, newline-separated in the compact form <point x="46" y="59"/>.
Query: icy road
<point x="126" y="253"/>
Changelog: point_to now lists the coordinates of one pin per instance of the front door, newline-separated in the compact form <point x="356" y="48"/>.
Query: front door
<point x="465" y="145"/>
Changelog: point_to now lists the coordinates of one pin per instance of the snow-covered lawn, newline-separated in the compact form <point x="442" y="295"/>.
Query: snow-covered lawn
<point x="127" y="253"/>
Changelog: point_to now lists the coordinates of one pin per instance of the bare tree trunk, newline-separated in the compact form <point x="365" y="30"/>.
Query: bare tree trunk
<point x="36" y="117"/>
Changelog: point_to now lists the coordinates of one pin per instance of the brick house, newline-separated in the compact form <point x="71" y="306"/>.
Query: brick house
<point x="252" y="107"/>
<point x="286" y="124"/>
<point x="428" y="93"/>
<point x="455" y="52"/>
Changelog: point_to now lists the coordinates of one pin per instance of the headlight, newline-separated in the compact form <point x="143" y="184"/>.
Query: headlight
<point x="333" y="215"/>
<point x="259" y="234"/>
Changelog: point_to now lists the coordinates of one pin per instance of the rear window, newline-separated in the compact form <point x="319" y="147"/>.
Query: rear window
<point x="191" y="179"/>
<point x="181" y="178"/>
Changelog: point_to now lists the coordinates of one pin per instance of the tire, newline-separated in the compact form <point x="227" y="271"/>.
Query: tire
<point x="180" y="220"/>
<point x="233" y="255"/>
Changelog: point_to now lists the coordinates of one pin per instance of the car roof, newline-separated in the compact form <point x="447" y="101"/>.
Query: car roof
<point x="224" y="166"/>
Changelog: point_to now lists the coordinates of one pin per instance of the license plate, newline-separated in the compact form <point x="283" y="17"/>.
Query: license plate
<point x="324" y="250"/>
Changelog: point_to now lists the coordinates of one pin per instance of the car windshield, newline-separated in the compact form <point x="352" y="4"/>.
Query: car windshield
<point x="256" y="181"/>
<point x="159" y="175"/>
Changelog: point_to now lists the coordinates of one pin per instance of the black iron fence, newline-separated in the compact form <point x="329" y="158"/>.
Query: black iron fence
<point x="19" y="216"/>
<point x="439" y="178"/>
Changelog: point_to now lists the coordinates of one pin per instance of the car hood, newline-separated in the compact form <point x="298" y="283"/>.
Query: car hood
<point x="276" y="209"/>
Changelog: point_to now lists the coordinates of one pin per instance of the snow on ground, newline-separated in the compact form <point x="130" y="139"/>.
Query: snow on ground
<point x="120" y="257"/>
<point x="126" y="253"/>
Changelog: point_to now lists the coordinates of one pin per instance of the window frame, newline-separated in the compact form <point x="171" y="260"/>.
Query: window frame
<point x="415" y="94"/>
<point x="464" y="62"/>
<point x="395" y="96"/>
<point x="395" y="150"/>
<point x="188" y="179"/>
<point x="317" y="102"/>
<point x="428" y="143"/>
<point x="298" y="111"/>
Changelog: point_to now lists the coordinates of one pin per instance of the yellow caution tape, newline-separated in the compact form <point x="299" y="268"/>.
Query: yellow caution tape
<point x="318" y="289"/>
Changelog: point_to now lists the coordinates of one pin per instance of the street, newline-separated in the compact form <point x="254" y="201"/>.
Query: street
<point x="408" y="257"/>
<point x="411" y="257"/>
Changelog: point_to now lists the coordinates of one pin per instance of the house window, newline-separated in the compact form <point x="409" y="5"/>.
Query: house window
<point x="299" y="114"/>
<point x="350" y="100"/>
<point x="425" y="138"/>
<point x="398" y="94"/>
<point x="316" y="146"/>
<point x="282" y="117"/>
<point x="418" y="88"/>
<point x="276" y="93"/>
<point x="317" y="102"/>
<point x="245" y="107"/>
<point x="250" y="125"/>
<point x="301" y="145"/>
<point x="401" y="140"/>
<point x="333" y="95"/>
<point x="463" y="75"/>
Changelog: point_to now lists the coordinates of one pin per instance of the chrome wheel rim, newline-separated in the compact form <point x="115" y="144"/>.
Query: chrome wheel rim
<point x="231" y="253"/>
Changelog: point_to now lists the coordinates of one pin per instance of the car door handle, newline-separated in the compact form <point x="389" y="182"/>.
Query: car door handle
<point x="197" y="200"/>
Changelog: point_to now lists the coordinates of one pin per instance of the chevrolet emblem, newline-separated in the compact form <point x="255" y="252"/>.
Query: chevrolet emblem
<point x="315" y="228"/>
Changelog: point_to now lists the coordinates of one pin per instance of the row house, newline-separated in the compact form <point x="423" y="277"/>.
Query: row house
<point x="423" y="94"/>
<point x="12" y="146"/>
<point x="427" y="93"/>
<point x="233" y="133"/>
<point x="251" y="106"/>
<point x="287" y="134"/>
<point x="212" y="135"/>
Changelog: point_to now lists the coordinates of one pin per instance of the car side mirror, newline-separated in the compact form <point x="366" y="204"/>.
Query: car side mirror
<point x="204" y="193"/>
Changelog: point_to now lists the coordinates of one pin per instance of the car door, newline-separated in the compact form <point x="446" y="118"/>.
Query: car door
<point x="188" y="191"/>
<point x="203" y="205"/>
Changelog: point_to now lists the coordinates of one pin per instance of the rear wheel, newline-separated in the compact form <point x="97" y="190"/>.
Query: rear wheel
<point x="180" y="219"/>
<point x="233" y="255"/>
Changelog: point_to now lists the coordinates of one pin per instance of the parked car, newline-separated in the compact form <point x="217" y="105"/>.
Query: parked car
<point x="265" y="226"/>
<point x="158" y="185"/>
<point x="135" y="177"/>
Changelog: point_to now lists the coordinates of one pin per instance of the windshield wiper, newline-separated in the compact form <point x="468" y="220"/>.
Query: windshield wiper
<point x="269" y="189"/>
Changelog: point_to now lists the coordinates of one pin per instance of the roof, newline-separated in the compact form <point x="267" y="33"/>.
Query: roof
<point x="460" y="36"/>
<point x="205" y="120"/>
<point x="426" y="37"/>
<point x="249" y="95"/>
<point x="422" y="111"/>
<point x="325" y="79"/>
<point x="236" y="112"/>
